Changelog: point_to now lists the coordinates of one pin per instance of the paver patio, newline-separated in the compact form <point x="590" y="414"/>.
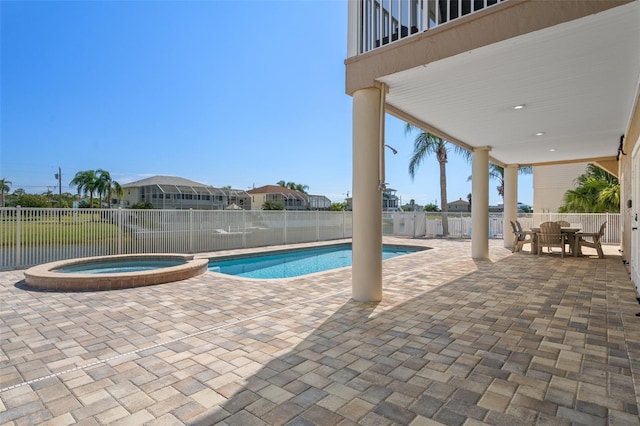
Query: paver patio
<point x="515" y="340"/>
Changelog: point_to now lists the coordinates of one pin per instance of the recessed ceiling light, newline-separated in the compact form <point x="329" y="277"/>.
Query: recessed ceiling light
<point x="519" y="106"/>
<point x="552" y="149"/>
<point x="540" y="134"/>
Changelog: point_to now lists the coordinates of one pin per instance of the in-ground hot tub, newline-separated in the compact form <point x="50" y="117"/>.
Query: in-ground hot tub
<point x="114" y="272"/>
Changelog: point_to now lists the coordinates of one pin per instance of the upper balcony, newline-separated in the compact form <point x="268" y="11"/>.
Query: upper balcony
<point x="375" y="23"/>
<point x="464" y="70"/>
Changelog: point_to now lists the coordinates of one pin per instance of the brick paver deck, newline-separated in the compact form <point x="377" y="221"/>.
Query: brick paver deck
<point x="516" y="340"/>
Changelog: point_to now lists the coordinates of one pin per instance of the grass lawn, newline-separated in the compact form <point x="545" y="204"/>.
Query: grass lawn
<point x="65" y="228"/>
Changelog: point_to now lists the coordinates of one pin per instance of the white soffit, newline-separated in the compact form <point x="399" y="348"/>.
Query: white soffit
<point x="578" y="81"/>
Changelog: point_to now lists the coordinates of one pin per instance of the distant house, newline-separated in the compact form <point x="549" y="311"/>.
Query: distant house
<point x="319" y="202"/>
<point x="459" y="206"/>
<point x="390" y="201"/>
<point x="170" y="192"/>
<point x="290" y="199"/>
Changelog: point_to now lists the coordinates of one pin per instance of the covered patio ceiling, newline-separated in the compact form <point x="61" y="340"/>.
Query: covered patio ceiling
<point x="578" y="82"/>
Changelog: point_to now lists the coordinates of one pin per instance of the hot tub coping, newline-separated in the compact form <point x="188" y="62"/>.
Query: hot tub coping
<point x="45" y="277"/>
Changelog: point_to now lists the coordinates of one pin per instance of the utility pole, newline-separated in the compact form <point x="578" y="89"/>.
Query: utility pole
<point x="59" y="177"/>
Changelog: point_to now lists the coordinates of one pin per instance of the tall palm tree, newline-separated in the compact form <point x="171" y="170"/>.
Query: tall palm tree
<point x="597" y="191"/>
<point x="87" y="183"/>
<point x="116" y="189"/>
<point x="4" y="188"/>
<point x="424" y="145"/>
<point x="105" y="185"/>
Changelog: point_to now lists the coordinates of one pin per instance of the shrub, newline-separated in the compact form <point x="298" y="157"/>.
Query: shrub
<point x="142" y="205"/>
<point x="272" y="205"/>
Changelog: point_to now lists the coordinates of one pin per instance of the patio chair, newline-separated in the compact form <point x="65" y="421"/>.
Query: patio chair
<point x="521" y="237"/>
<point x="550" y="236"/>
<point x="565" y="224"/>
<point x="592" y="240"/>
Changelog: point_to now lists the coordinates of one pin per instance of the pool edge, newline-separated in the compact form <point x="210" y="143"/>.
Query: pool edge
<point x="43" y="277"/>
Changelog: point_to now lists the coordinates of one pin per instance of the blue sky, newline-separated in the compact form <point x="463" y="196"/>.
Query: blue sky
<point x="238" y="93"/>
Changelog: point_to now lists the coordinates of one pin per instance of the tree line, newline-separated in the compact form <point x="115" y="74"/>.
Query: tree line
<point x="88" y="182"/>
<point x="596" y="190"/>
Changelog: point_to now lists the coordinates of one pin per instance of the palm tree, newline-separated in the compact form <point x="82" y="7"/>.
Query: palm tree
<point x="294" y="186"/>
<point x="106" y="185"/>
<point x="103" y="185"/>
<point x="87" y="183"/>
<point x="117" y="189"/>
<point x="597" y="191"/>
<point x="300" y="187"/>
<point x="497" y="172"/>
<point x="424" y="145"/>
<point x="4" y="188"/>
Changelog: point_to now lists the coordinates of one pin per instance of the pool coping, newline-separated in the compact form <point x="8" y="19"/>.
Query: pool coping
<point x="45" y="276"/>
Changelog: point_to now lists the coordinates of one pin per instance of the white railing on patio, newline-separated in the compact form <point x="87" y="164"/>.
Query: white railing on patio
<point x="375" y="23"/>
<point x="427" y="224"/>
<point x="31" y="236"/>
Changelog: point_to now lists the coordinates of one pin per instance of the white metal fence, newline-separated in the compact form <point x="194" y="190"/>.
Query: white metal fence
<point x="31" y="236"/>
<point x="419" y="224"/>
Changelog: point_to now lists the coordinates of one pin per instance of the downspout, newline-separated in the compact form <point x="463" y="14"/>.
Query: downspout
<point x="381" y="173"/>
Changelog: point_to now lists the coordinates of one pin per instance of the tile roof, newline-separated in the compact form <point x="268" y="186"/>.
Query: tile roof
<point x="164" y="180"/>
<point x="271" y="189"/>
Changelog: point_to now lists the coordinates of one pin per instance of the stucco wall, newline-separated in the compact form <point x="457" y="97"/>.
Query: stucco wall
<point x="550" y="184"/>
<point x="631" y="140"/>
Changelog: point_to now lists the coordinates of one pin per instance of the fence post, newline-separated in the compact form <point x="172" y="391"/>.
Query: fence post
<point x="190" y="230"/>
<point x="244" y="229"/>
<point x="119" y="225"/>
<point x="344" y="223"/>
<point x="284" y="232"/>
<point x="606" y="235"/>
<point x="18" y="232"/>
<point x="413" y="230"/>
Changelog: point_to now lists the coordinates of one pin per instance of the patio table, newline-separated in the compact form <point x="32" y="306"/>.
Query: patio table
<point x="571" y="236"/>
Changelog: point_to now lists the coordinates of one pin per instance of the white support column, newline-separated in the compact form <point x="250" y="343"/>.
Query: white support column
<point x="367" y="198"/>
<point x="510" y="202"/>
<point x="480" y="209"/>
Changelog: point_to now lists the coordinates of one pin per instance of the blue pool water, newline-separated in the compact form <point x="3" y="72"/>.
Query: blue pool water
<point x="119" y="266"/>
<point x="293" y="263"/>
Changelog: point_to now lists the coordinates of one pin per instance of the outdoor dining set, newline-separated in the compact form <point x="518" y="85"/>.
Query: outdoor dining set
<point x="559" y="234"/>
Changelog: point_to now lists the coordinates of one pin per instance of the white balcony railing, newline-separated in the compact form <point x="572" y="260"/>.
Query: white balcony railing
<point x="375" y="23"/>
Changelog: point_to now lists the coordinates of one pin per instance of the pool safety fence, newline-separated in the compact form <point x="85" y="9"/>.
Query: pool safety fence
<point x="32" y="236"/>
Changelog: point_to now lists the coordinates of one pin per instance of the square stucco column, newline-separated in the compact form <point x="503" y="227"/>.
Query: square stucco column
<point x="510" y="202"/>
<point x="367" y="197"/>
<point x="480" y="210"/>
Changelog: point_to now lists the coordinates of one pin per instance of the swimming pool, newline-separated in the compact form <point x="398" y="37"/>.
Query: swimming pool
<point x="296" y="262"/>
